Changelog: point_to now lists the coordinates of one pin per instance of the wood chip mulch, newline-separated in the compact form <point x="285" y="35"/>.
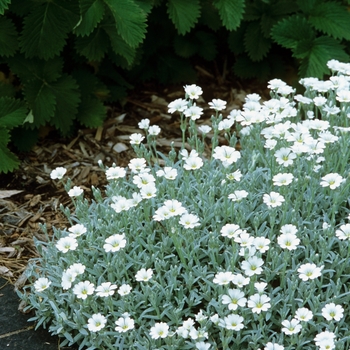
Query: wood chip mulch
<point x="29" y="198"/>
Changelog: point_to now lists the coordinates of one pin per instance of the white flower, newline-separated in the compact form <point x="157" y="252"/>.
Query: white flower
<point x="189" y="220"/>
<point x="175" y="207"/>
<point x="239" y="280"/>
<point x="136" y="138"/>
<point x="159" y="330"/>
<point x="168" y="172"/>
<point x="325" y="340"/>
<point x="154" y="130"/>
<point x="261" y="244"/>
<point x="143" y="179"/>
<point x="343" y="232"/>
<point x="66" y="243"/>
<point x="234" y="299"/>
<point x="343" y="96"/>
<point x="285" y="156"/>
<point x="77" y="230"/>
<point x="121" y="204"/>
<point x="259" y="302"/>
<point x="194" y="112"/>
<point x="184" y="330"/>
<point x="333" y="312"/>
<point x="58" y="173"/>
<point x="202" y="346"/>
<point x="289" y="228"/>
<point x="83" y="289"/>
<point x="114" y="243"/>
<point x="217" y="104"/>
<point x="237" y="195"/>
<point x="162" y="213"/>
<point x="291" y="327"/>
<point x="77" y="269"/>
<point x="193" y="91"/>
<point x="282" y="179"/>
<point x="115" y="172"/>
<point x="144" y="123"/>
<point x="226" y="154"/>
<point x="252" y="266"/>
<point x="309" y="271"/>
<point x="124" y="289"/>
<point x="225" y="124"/>
<point x="333" y="180"/>
<point x="199" y="317"/>
<point x="260" y="286"/>
<point x="75" y="191"/>
<point x="41" y="284"/>
<point x="288" y="241"/>
<point x="204" y="129"/>
<point x="144" y="275"/>
<point x="68" y="277"/>
<point x="234" y="322"/>
<point x="223" y="278"/>
<point x="193" y="163"/>
<point x="236" y="176"/>
<point x="273" y="346"/>
<point x="273" y="199"/>
<point x="244" y="239"/>
<point x="105" y="289"/>
<point x="96" y="322"/>
<point x="137" y="165"/>
<point x="124" y="324"/>
<point x="179" y="105"/>
<point x="230" y="230"/>
<point x="148" y="191"/>
<point x="303" y="314"/>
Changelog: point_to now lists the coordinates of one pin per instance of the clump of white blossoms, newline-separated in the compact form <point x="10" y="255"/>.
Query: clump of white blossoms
<point x="240" y="236"/>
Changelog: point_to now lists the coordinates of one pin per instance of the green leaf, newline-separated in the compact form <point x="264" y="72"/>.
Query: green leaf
<point x="184" y="14"/>
<point x="4" y="5"/>
<point x="290" y="31"/>
<point x="332" y="19"/>
<point x="307" y="6"/>
<point x="67" y="95"/>
<point x="130" y="20"/>
<point x="236" y="39"/>
<point x="8" y="37"/>
<point x="8" y="161"/>
<point x="231" y="12"/>
<point x="316" y="53"/>
<point x="90" y="17"/>
<point x="184" y="46"/>
<point x="91" y="112"/>
<point x="12" y="112"/>
<point x="206" y="45"/>
<point x="246" y="69"/>
<point x="210" y="16"/>
<point x="20" y="7"/>
<point x="119" y="46"/>
<point x="45" y="31"/>
<point x="41" y="100"/>
<point x="7" y="89"/>
<point x="94" y="46"/>
<point x="256" y="45"/>
<point x="29" y="69"/>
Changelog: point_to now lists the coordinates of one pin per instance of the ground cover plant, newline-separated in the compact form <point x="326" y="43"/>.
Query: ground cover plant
<point x="239" y="244"/>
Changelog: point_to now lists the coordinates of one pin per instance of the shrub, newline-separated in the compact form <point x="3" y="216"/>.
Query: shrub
<point x="212" y="249"/>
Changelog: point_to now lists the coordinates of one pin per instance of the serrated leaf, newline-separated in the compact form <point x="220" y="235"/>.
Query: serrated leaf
<point x="119" y="46"/>
<point x="7" y="90"/>
<point x="41" y="101"/>
<point x="91" y="113"/>
<point x="8" y="37"/>
<point x="130" y="20"/>
<point x="145" y="5"/>
<point x="290" y="31"/>
<point x="45" y="31"/>
<point x="184" y="14"/>
<point x="29" y="69"/>
<point x="66" y="91"/>
<point x="316" y="54"/>
<point x="24" y="138"/>
<point x="8" y="161"/>
<point x="91" y="16"/>
<point x="4" y="5"/>
<point x="94" y="46"/>
<point x="331" y="18"/>
<point x="184" y="46"/>
<point x="307" y="6"/>
<point x="20" y="7"/>
<point x="207" y="45"/>
<point x="246" y="69"/>
<point x="231" y="12"/>
<point x="236" y="39"/>
<point x="256" y="45"/>
<point x="210" y="16"/>
<point x="12" y="112"/>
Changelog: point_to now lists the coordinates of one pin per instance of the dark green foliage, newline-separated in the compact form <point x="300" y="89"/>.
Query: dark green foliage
<point x="69" y="58"/>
